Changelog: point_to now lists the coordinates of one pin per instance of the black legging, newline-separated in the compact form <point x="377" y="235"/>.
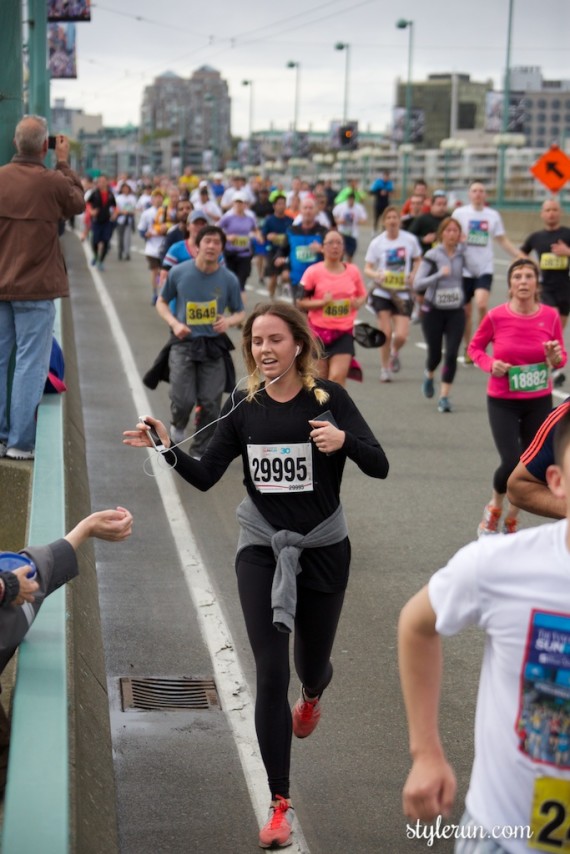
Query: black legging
<point x="240" y="265"/>
<point x="316" y="621"/>
<point x="436" y="324"/>
<point x="513" y="425"/>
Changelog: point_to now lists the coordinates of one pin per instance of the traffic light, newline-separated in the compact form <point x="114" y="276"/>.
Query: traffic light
<point x="349" y="136"/>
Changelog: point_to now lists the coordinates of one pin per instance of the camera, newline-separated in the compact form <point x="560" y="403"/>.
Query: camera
<point x="51" y="142"/>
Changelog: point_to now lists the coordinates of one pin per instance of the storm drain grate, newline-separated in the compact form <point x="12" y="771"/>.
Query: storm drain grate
<point x="170" y="695"/>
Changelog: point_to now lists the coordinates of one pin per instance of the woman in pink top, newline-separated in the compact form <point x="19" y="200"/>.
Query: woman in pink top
<point x="332" y="294"/>
<point x="527" y="343"/>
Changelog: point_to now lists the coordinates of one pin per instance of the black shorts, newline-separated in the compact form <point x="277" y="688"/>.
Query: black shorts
<point x="470" y="285"/>
<point x="556" y="300"/>
<point x="153" y="263"/>
<point x="349" y="244"/>
<point x="341" y="346"/>
<point x="397" y="305"/>
<point x="270" y="268"/>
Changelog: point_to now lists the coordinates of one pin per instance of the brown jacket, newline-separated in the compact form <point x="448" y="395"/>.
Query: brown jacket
<point x="32" y="201"/>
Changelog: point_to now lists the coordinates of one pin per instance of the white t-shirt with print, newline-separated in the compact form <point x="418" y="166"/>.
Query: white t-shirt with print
<point x="517" y="589"/>
<point x="395" y="256"/>
<point x="479" y="229"/>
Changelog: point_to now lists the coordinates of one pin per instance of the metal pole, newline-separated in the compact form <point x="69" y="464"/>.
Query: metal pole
<point x="296" y="113"/>
<point x="408" y="130"/>
<point x="251" y="122"/>
<point x="409" y="85"/>
<point x="346" y="75"/>
<point x="37" y="47"/>
<point x="297" y="90"/>
<point x="453" y="116"/>
<point x="11" y="85"/>
<point x="506" y="101"/>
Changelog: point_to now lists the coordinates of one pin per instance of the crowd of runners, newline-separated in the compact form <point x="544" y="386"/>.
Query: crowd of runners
<point x="205" y="240"/>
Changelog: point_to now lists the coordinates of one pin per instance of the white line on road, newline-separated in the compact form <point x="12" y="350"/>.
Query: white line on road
<point x="237" y="701"/>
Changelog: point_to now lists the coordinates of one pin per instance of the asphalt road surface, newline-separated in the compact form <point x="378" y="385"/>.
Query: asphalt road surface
<point x="180" y="775"/>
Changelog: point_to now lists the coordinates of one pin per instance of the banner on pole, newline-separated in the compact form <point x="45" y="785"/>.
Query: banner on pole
<point x="62" y="57"/>
<point x="68" y="10"/>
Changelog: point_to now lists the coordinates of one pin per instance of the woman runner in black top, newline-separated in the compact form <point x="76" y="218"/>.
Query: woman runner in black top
<point x="294" y="433"/>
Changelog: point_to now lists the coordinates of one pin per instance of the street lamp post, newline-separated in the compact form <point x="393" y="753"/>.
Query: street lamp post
<point x="346" y="47"/>
<point x="250" y="84"/>
<point x="404" y="24"/>
<point x="506" y="100"/>
<point x="211" y="103"/>
<point x="297" y="67"/>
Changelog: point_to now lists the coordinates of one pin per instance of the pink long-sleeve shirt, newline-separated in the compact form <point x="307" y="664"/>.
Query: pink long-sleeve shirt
<point x="517" y="339"/>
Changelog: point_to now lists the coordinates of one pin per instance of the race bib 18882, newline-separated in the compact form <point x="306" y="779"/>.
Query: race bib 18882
<point x="281" y="468"/>
<point x="528" y="377"/>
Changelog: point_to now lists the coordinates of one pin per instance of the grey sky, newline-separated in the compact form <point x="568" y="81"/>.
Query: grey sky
<point x="128" y="44"/>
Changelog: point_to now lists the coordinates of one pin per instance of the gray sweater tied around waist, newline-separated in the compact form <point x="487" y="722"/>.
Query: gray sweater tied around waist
<point x="287" y="547"/>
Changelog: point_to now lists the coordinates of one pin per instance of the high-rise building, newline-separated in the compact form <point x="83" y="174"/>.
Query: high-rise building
<point x="192" y="114"/>
<point x="547" y="106"/>
<point x="443" y="106"/>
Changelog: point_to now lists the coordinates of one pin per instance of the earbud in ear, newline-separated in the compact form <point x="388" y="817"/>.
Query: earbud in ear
<point x="298" y="350"/>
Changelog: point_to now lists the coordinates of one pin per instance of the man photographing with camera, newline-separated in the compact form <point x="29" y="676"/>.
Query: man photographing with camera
<point x="33" y="200"/>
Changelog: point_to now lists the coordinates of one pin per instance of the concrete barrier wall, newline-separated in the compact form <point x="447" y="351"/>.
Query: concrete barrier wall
<point x="93" y="803"/>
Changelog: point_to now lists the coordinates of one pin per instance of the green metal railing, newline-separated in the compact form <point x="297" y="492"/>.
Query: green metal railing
<point x="36" y="808"/>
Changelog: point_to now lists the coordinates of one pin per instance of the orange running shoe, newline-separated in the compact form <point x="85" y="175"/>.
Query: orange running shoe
<point x="490" y="521"/>
<point x="306" y="715"/>
<point x="510" y="525"/>
<point x="278" y="830"/>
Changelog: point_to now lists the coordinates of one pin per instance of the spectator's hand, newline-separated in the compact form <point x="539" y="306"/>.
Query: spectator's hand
<point x="112" y="525"/>
<point x="500" y="368"/>
<point x="430" y="789"/>
<point x="61" y="148"/>
<point x="326" y="436"/>
<point x="28" y="586"/>
<point x="279" y="262"/>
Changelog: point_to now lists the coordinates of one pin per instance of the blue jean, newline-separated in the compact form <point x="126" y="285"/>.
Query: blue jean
<point x="27" y="327"/>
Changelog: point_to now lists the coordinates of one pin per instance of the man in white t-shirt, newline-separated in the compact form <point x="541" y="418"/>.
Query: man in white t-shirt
<point x="517" y="589"/>
<point x="348" y="215"/>
<point x="238" y="186"/>
<point x="480" y="225"/>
